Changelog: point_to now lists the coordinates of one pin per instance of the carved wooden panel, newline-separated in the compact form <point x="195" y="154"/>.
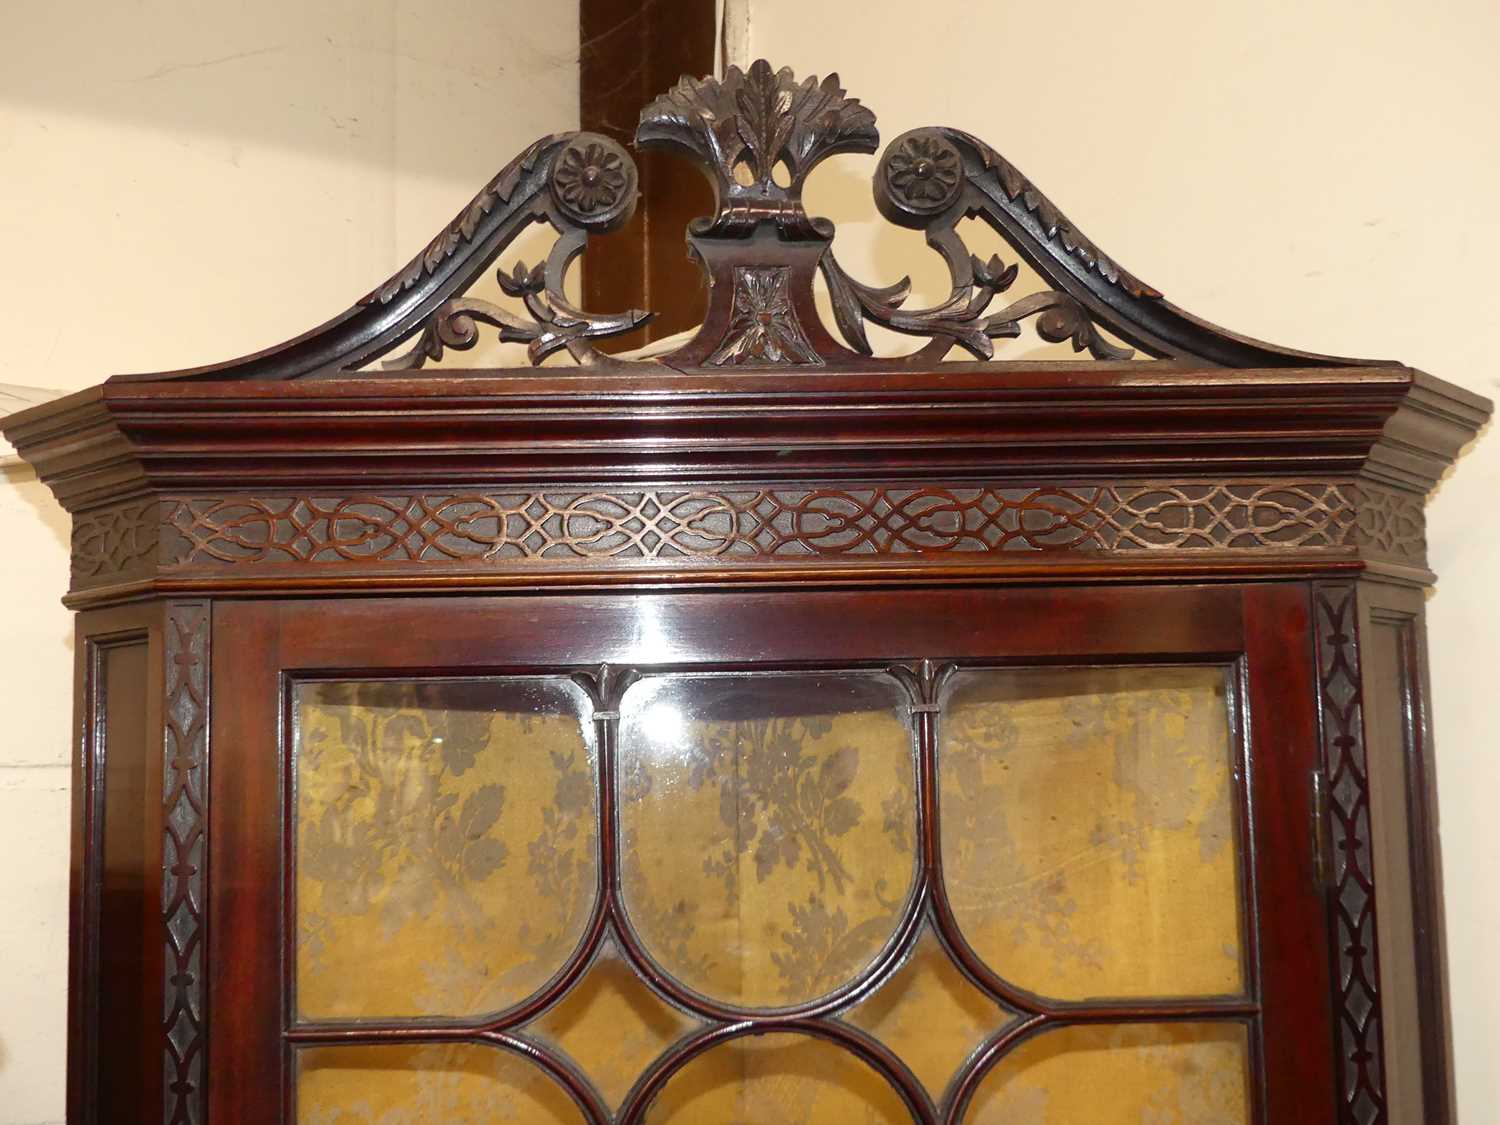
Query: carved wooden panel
<point x="1352" y="878"/>
<point x="1393" y="524"/>
<point x="765" y="523"/>
<point x="185" y="860"/>
<point x="117" y="540"/>
<point x="498" y="531"/>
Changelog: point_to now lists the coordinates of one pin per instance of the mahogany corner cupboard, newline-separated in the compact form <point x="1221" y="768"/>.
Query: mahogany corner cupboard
<point x="760" y="727"/>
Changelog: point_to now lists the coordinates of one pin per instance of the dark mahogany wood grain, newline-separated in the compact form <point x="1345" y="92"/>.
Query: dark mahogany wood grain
<point x="1291" y="929"/>
<point x="245" y="969"/>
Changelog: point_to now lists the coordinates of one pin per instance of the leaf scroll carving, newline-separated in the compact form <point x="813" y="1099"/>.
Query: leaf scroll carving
<point x="755" y="120"/>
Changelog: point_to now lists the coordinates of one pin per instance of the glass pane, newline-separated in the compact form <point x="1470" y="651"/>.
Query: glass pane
<point x="1169" y="1074"/>
<point x="930" y="1015"/>
<point x="1088" y="829"/>
<point x="408" y="1084"/>
<point x="767" y="824"/>
<point x="426" y="811"/>
<point x="611" y="1025"/>
<point x="777" y="1078"/>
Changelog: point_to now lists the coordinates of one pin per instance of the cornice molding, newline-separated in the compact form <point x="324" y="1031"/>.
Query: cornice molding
<point x="14" y="399"/>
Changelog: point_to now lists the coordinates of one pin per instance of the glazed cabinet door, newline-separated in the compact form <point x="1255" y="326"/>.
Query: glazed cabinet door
<point x="938" y="855"/>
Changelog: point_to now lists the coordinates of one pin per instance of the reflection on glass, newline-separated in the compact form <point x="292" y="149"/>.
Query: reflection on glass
<point x="426" y="811"/>
<point x="1166" y="1074"/>
<point x="611" y="1025"/>
<point x="1088" y="829"/>
<point x="767" y="824"/>
<point x="407" y="1084"/>
<point x="778" y="1078"/>
<point x="930" y="1015"/>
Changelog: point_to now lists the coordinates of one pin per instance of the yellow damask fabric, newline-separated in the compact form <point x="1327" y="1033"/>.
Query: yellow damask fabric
<point x="425" y="813"/>
<point x="781" y="1079"/>
<point x="446" y="1084"/>
<point x="1138" y="1074"/>
<point x="447" y="860"/>
<point x="767" y="828"/>
<point x="1088" y="829"/>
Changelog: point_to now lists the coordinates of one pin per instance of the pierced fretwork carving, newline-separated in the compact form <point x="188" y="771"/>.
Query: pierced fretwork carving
<point x="757" y="134"/>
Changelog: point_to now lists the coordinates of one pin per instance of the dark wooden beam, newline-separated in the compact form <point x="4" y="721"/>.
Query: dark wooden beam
<point x="629" y="52"/>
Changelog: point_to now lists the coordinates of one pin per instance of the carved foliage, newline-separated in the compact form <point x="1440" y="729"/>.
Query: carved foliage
<point x="1357" y="987"/>
<point x="763" y="330"/>
<point x="754" y="120"/>
<point x="1055" y="227"/>
<point x="591" y="187"/>
<point x="460" y="232"/>
<point x="185" y="859"/>
<point x="758" y="133"/>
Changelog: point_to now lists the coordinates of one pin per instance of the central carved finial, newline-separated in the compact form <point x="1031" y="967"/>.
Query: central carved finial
<point x="745" y="128"/>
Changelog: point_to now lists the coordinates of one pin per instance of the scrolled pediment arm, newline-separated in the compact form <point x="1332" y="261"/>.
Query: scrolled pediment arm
<point x="991" y="188"/>
<point x="577" y="182"/>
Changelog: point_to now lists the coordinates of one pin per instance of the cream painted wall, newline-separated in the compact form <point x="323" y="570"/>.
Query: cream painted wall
<point x="181" y="183"/>
<point x="1322" y="174"/>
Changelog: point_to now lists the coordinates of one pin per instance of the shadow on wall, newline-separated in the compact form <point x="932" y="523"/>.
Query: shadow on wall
<point x="48" y="512"/>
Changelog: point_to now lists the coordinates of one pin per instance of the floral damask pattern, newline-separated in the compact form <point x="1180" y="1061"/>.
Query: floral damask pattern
<point x="1130" y="886"/>
<point x="768" y="848"/>
<point x="1154" y="1074"/>
<point x="797" y="793"/>
<point x="781" y="1079"/>
<point x="424" y="1085"/>
<point x="424" y="810"/>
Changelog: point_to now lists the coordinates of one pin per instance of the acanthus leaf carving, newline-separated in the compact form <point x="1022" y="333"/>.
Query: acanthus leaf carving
<point x="757" y="119"/>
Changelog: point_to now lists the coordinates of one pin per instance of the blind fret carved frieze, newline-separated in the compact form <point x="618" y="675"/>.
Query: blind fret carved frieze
<point x="513" y="530"/>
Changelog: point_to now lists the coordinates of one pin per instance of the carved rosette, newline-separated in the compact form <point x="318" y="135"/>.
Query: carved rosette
<point x="922" y="174"/>
<point x="593" y="181"/>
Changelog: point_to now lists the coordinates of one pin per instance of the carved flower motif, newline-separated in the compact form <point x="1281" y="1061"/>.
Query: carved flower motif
<point x="923" y="173"/>
<point x="590" y="178"/>
<point x="763" y="330"/>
